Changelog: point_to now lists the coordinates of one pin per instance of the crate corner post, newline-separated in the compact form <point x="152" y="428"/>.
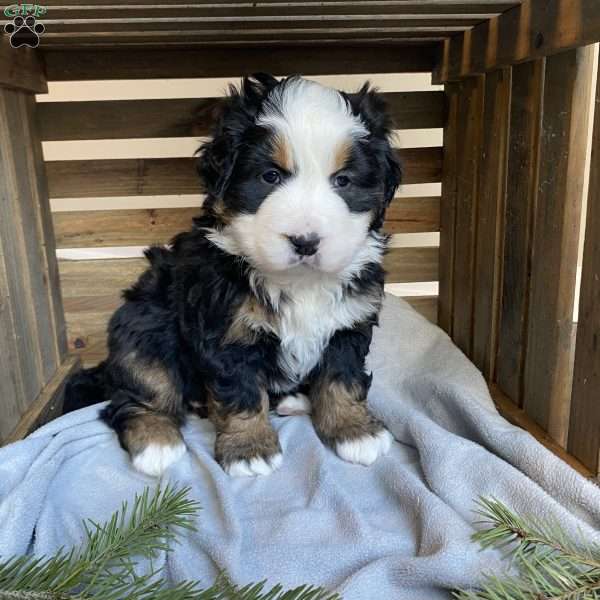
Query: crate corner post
<point x="34" y="362"/>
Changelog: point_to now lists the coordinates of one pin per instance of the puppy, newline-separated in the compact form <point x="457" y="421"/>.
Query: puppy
<point x="271" y="298"/>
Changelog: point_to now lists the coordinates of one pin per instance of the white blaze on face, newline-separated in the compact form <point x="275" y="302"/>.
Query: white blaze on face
<point x="316" y="126"/>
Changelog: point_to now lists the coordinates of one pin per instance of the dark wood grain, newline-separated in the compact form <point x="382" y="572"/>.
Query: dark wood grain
<point x="549" y="357"/>
<point x="425" y="6"/>
<point x="22" y="252"/>
<point x="490" y="212"/>
<point x="156" y="176"/>
<point x="532" y="29"/>
<point x="521" y="193"/>
<point x="233" y="62"/>
<point x="306" y="36"/>
<point x="12" y="389"/>
<point x="243" y="25"/>
<point x="373" y="8"/>
<point x="21" y="68"/>
<point x="448" y="211"/>
<point x="584" y="426"/>
<point x="104" y="228"/>
<point x="470" y="122"/>
<point x="120" y="119"/>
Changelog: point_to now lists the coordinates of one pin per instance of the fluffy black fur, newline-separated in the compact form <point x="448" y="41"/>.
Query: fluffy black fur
<point x="179" y="311"/>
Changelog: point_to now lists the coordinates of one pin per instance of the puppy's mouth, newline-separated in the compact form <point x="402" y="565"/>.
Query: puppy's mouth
<point x="311" y="262"/>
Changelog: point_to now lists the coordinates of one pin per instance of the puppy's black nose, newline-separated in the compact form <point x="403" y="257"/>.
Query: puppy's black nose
<point x="305" y="245"/>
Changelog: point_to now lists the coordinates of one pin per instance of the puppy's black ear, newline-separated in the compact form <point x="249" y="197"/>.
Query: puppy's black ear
<point x="370" y="106"/>
<point x="392" y="170"/>
<point x="216" y="159"/>
<point x="373" y="111"/>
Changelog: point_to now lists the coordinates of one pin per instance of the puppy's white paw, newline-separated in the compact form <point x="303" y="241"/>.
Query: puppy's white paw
<point x="254" y="466"/>
<point x="365" y="450"/>
<point x="294" y="404"/>
<point x="154" y="459"/>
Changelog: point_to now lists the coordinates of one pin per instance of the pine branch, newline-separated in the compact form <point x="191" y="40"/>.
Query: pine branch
<point x="550" y="565"/>
<point x="105" y="568"/>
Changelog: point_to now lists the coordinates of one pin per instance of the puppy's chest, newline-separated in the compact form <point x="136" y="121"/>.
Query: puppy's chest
<point x="304" y="324"/>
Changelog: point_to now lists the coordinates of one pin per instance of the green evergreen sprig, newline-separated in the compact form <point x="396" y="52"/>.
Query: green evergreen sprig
<point x="106" y="566"/>
<point x="549" y="565"/>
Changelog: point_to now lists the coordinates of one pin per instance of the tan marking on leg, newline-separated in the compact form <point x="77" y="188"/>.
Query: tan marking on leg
<point x="244" y="436"/>
<point x="282" y="153"/>
<point x="148" y="428"/>
<point x="156" y="381"/>
<point x="340" y="412"/>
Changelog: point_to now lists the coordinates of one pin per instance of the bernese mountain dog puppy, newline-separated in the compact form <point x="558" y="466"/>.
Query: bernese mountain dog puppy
<point x="270" y="300"/>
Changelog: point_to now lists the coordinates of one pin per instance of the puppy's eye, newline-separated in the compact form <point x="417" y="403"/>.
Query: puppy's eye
<point x="341" y="181"/>
<point x="271" y="177"/>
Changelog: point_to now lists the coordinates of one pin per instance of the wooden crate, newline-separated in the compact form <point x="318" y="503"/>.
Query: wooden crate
<point x="518" y="82"/>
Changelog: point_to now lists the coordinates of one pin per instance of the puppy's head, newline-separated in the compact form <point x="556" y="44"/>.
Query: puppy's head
<point x="298" y="174"/>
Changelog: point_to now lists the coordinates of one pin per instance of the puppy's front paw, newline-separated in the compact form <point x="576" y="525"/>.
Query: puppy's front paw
<point x="249" y="452"/>
<point x="254" y="466"/>
<point x="155" y="458"/>
<point x="366" y="449"/>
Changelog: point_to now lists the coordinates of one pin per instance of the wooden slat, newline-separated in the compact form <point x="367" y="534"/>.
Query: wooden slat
<point x="307" y="35"/>
<point x="24" y="256"/>
<point x="364" y="44"/>
<point x="233" y="62"/>
<point x="252" y="26"/>
<point x="531" y="30"/>
<point x="492" y="189"/>
<point x="21" y="68"/>
<point x="87" y="278"/>
<point x="548" y="362"/>
<point x="12" y="389"/>
<point x="511" y="412"/>
<point x="98" y="277"/>
<point x="103" y="228"/>
<point x="264" y="9"/>
<point x="87" y="328"/>
<point x="584" y="427"/>
<point x="92" y="292"/>
<point x="470" y="121"/>
<point x="448" y="211"/>
<point x="40" y="197"/>
<point x="425" y="305"/>
<point x="521" y="193"/>
<point x="192" y="117"/>
<point x="421" y="165"/>
<point x="454" y="6"/>
<point x="158" y="176"/>
<point x="413" y="215"/>
<point x="48" y="405"/>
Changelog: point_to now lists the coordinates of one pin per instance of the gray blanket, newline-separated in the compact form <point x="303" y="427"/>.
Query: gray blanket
<point x="399" y="529"/>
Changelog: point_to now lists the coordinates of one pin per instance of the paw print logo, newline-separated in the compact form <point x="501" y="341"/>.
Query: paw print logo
<point x="24" y="31"/>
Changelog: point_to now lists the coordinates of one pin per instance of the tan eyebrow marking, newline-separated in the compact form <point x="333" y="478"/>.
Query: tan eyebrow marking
<point x="282" y="153"/>
<point x="342" y="154"/>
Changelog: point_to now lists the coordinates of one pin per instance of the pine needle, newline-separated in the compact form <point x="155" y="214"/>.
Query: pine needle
<point x="550" y="565"/>
<point x="105" y="567"/>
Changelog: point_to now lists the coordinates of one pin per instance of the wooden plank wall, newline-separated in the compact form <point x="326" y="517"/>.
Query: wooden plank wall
<point x="32" y="328"/>
<point x="91" y="288"/>
<point x="510" y="214"/>
<point x="584" y="426"/>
